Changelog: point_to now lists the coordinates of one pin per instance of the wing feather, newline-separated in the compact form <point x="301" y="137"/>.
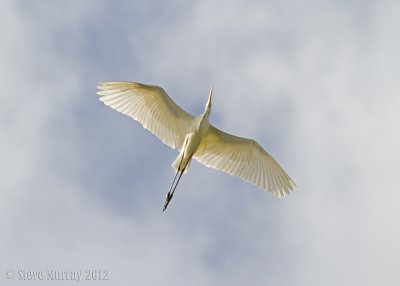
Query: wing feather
<point x="151" y="106"/>
<point x="244" y="158"/>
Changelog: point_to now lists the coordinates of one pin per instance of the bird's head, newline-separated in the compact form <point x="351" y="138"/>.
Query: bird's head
<point x="208" y="104"/>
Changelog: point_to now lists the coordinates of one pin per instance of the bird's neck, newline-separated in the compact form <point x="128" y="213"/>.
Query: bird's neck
<point x="206" y="113"/>
<point x="203" y="118"/>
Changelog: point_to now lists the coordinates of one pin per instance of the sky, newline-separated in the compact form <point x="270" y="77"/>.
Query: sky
<point x="82" y="186"/>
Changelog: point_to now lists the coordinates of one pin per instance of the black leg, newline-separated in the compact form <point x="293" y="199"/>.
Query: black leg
<point x="173" y="188"/>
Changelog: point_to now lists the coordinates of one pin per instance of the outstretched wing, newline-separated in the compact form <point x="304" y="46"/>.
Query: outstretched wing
<point x="244" y="158"/>
<point x="151" y="106"/>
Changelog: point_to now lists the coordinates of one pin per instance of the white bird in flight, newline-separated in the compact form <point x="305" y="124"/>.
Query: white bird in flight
<point x="195" y="137"/>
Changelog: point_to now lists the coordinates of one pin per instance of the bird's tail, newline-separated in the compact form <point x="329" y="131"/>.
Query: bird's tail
<point x="178" y="161"/>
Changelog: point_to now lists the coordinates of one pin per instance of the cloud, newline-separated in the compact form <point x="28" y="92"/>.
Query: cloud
<point x="83" y="186"/>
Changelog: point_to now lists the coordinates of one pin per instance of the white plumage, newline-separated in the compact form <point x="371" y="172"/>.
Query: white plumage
<point x="195" y="137"/>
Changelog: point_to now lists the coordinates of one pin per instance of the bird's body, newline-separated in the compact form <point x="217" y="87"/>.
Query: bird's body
<point x="195" y="137"/>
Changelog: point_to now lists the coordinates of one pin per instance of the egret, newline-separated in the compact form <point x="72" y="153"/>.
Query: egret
<point x="195" y="137"/>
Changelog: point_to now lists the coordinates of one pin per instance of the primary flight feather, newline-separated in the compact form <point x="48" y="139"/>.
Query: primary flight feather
<point x="195" y="137"/>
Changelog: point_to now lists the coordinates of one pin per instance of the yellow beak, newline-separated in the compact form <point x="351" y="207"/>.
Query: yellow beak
<point x="210" y="95"/>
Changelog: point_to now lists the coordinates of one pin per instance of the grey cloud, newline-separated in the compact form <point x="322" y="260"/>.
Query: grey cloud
<point x="315" y="83"/>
